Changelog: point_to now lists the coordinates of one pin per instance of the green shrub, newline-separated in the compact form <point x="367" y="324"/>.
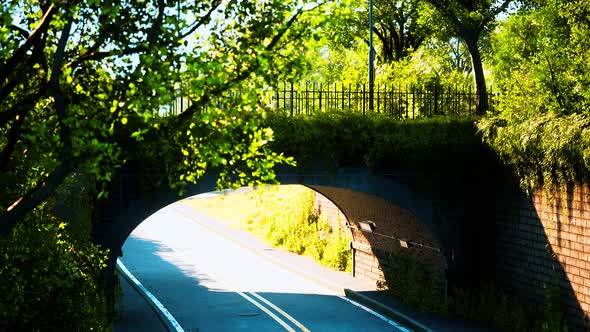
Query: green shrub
<point x="546" y="149"/>
<point x="375" y="140"/>
<point x="337" y="253"/>
<point x="412" y="282"/>
<point x="284" y="217"/>
<point x="421" y="287"/>
<point x="48" y="282"/>
<point x="303" y="232"/>
<point x="492" y="305"/>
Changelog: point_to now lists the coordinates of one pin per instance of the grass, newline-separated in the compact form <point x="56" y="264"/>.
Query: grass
<point x="284" y="217"/>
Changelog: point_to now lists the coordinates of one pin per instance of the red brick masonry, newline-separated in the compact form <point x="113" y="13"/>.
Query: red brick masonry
<point x="390" y="220"/>
<point x="545" y="240"/>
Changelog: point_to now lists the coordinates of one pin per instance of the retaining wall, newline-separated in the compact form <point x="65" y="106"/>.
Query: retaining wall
<point x="543" y="241"/>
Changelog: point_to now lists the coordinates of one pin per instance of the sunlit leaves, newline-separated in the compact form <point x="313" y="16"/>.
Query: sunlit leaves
<point x="127" y="61"/>
<point x="540" y="61"/>
<point x="545" y="149"/>
<point x="227" y="139"/>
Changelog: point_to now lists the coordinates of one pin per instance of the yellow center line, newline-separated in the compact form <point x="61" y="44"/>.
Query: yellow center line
<point x="279" y="310"/>
<point x="268" y="312"/>
<point x="251" y="300"/>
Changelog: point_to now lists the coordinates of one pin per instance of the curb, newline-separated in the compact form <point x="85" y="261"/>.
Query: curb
<point x="348" y="293"/>
<point x="163" y="314"/>
<point x="386" y="310"/>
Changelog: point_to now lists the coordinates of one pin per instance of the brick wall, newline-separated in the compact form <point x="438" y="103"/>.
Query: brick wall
<point x="366" y="264"/>
<point x="543" y="240"/>
<point x="370" y="252"/>
<point x="329" y="210"/>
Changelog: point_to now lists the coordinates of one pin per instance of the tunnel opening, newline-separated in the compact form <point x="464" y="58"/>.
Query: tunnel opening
<point x="400" y="255"/>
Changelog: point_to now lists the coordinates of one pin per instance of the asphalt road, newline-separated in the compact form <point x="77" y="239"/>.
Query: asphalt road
<point x="210" y="283"/>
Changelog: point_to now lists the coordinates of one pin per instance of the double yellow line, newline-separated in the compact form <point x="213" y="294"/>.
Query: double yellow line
<point x="251" y="295"/>
<point x="272" y="314"/>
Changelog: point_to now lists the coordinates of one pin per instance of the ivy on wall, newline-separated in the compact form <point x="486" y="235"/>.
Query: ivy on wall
<point x="544" y="150"/>
<point x="351" y="139"/>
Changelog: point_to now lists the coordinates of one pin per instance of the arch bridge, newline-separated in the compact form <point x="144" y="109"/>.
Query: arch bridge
<point x="431" y="218"/>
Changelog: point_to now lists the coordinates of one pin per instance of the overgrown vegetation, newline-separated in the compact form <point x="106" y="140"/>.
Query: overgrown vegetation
<point x="544" y="150"/>
<point x="82" y="88"/>
<point x="374" y="140"/>
<point x="413" y="283"/>
<point x="82" y="84"/>
<point x="508" y="313"/>
<point x="284" y="217"/>
<point x="540" y="64"/>
<point x="421" y="287"/>
<point x="49" y="279"/>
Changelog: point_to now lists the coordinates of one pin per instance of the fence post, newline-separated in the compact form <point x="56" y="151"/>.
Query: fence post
<point x="406" y="104"/>
<point x="377" y="98"/>
<point x="413" y="103"/>
<point x="306" y="99"/>
<point x="320" y="98"/>
<point x="364" y="111"/>
<point x="490" y="99"/>
<point x="435" y="100"/>
<point x="291" y="99"/>
<point x="399" y="101"/>
<point x="342" y="88"/>
<point x="284" y="95"/>
<point x="384" y="98"/>
<point x="349" y="92"/>
<point x="392" y="100"/>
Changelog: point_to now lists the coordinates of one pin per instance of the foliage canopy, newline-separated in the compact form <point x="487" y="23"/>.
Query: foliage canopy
<point x="83" y="85"/>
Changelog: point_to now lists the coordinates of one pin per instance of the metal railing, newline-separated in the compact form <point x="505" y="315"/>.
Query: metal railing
<point x="397" y="101"/>
<point x="403" y="102"/>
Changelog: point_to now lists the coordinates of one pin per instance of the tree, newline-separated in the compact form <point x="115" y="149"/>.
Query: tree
<point x="469" y="20"/>
<point x="82" y="85"/>
<point x="539" y="60"/>
<point x="398" y="26"/>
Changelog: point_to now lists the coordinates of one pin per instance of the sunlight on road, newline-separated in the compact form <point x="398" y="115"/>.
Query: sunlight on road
<point x="190" y="247"/>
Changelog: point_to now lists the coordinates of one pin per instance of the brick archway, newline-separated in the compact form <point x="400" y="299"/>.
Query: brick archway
<point x="397" y="231"/>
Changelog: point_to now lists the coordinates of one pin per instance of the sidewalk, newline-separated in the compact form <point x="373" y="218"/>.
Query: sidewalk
<point x="341" y="282"/>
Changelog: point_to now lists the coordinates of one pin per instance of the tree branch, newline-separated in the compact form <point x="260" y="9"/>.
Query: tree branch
<point x="189" y="112"/>
<point x="9" y="66"/>
<point x="19" y="111"/>
<point x="36" y="196"/>
<point x="554" y="85"/>
<point x="202" y="20"/>
<point x="25" y="34"/>
<point x="96" y="56"/>
<point x="55" y="88"/>
<point x="501" y="8"/>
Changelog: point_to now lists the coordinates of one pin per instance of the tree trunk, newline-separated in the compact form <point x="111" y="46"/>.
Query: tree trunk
<point x="478" y="76"/>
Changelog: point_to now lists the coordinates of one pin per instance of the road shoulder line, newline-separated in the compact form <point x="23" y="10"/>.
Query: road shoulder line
<point x="342" y="291"/>
<point x="165" y="316"/>
<point x="386" y="310"/>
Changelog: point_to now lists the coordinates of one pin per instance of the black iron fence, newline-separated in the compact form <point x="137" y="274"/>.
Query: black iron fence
<point x="403" y="102"/>
<point x="398" y="101"/>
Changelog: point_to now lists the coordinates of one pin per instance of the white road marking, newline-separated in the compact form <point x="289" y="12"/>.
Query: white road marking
<point x="378" y="315"/>
<point x="221" y="234"/>
<point x="160" y="307"/>
<point x="250" y="295"/>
